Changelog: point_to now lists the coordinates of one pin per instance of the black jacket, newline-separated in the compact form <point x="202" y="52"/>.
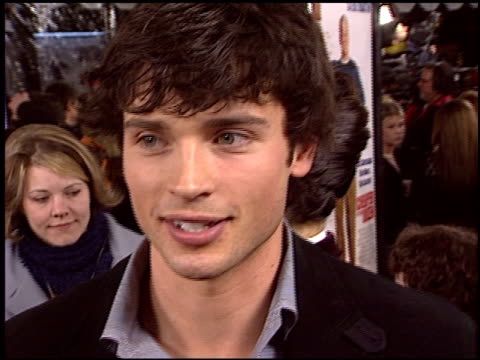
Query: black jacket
<point x="344" y="312"/>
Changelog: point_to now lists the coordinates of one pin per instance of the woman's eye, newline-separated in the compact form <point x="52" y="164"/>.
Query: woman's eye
<point x="40" y="199"/>
<point x="73" y="193"/>
<point x="230" y="138"/>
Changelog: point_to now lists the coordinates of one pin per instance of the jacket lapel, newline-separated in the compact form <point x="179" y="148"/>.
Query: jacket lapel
<point x="85" y="339"/>
<point x="21" y="292"/>
<point x="328" y="318"/>
<point x="329" y="324"/>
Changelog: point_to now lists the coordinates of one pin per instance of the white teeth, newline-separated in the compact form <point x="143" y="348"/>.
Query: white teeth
<point x="191" y="226"/>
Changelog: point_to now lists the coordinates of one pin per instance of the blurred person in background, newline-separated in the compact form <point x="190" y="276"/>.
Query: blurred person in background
<point x="58" y="234"/>
<point x="13" y="102"/>
<point x="345" y="63"/>
<point x="106" y="146"/>
<point x="436" y="87"/>
<point x="439" y="259"/>
<point x="36" y="108"/>
<point x="394" y="190"/>
<point x="318" y="214"/>
<point x="446" y="191"/>
<point x="68" y="98"/>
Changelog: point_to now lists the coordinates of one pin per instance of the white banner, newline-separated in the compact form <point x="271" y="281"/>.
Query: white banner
<point x="355" y="20"/>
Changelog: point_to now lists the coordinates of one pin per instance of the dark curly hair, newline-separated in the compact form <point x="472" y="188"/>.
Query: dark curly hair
<point x="313" y="196"/>
<point x="190" y="56"/>
<point x="440" y="259"/>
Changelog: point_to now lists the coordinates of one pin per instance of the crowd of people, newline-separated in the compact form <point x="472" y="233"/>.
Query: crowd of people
<point x="430" y="180"/>
<point x="184" y="208"/>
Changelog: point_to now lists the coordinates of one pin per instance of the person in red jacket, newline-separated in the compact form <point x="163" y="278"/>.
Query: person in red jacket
<point x="436" y="87"/>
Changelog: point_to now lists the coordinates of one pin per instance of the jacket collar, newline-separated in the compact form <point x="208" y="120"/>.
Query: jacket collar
<point x="330" y="324"/>
<point x="21" y="290"/>
<point x="85" y="338"/>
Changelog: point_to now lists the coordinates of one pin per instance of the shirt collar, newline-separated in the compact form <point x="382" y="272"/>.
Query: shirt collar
<point x="284" y="299"/>
<point x="122" y="331"/>
<point x="122" y="326"/>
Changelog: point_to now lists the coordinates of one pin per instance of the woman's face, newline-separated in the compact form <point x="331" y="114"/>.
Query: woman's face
<point x="393" y="130"/>
<point x="57" y="207"/>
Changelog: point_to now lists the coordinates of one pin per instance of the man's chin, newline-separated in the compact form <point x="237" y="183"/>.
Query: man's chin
<point x="198" y="271"/>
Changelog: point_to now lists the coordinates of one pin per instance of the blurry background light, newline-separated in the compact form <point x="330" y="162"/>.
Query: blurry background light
<point x="385" y="15"/>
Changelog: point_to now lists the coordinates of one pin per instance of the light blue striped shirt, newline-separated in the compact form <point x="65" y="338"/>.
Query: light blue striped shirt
<point x="127" y="339"/>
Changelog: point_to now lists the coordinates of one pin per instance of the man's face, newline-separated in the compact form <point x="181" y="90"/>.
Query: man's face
<point x="425" y="85"/>
<point x="210" y="189"/>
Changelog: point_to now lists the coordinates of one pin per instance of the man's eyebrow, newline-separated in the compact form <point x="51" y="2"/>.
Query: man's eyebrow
<point x="213" y="123"/>
<point x="154" y="124"/>
<point x="236" y="120"/>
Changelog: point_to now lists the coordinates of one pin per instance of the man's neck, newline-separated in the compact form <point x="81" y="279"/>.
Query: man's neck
<point x="221" y="317"/>
<point x="388" y="149"/>
<point x="310" y="228"/>
<point x="434" y="98"/>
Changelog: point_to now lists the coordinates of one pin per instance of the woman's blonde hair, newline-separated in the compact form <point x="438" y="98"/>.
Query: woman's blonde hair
<point x="58" y="150"/>
<point x="471" y="96"/>
<point x="390" y="107"/>
<point x="455" y="143"/>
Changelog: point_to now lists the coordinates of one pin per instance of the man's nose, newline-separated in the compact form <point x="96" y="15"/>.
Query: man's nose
<point x="192" y="171"/>
<point x="59" y="206"/>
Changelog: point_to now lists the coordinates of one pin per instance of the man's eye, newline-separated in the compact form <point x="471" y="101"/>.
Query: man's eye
<point x="230" y="138"/>
<point x="148" y="141"/>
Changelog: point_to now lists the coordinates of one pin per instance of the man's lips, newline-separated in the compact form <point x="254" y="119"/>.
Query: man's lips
<point x="191" y="217"/>
<point x="195" y="230"/>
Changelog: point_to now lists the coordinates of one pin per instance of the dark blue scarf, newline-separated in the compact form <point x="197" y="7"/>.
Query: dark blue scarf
<point x="62" y="268"/>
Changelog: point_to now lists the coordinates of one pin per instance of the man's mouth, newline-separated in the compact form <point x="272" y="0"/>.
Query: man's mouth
<point x="195" y="229"/>
<point x="194" y="226"/>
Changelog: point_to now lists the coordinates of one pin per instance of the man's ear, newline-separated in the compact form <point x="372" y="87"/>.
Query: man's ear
<point x="303" y="156"/>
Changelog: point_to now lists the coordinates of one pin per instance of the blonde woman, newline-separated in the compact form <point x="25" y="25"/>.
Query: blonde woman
<point x="57" y="233"/>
